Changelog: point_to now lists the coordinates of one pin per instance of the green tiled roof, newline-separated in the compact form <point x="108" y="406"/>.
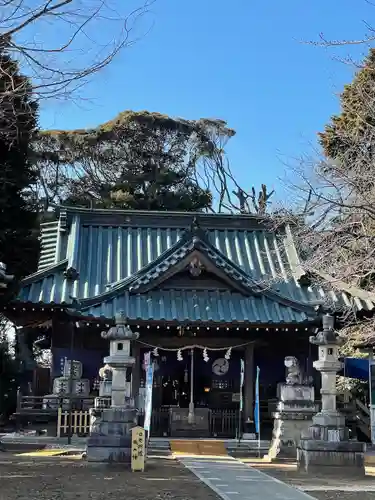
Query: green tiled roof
<point x="198" y="306"/>
<point x="120" y="255"/>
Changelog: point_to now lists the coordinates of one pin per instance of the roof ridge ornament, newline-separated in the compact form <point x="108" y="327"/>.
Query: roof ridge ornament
<point x="196" y="231"/>
<point x="195" y="224"/>
<point x="71" y="274"/>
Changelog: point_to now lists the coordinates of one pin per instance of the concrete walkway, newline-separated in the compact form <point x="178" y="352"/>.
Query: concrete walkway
<point x="233" y="480"/>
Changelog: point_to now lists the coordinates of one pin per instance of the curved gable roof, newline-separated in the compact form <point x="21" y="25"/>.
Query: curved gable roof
<point x="120" y="253"/>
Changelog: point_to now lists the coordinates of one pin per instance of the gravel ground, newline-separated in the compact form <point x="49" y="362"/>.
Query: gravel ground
<point x="336" y="488"/>
<point x="343" y="495"/>
<point x="67" y="479"/>
<point x="63" y="478"/>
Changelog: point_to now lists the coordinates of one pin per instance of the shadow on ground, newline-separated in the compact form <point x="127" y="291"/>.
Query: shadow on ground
<point x="320" y="487"/>
<point x="60" y="479"/>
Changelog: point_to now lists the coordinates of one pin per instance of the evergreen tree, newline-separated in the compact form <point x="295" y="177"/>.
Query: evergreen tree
<point x="139" y="160"/>
<point x="151" y="187"/>
<point x="18" y="216"/>
<point x="349" y="138"/>
<point x="9" y="380"/>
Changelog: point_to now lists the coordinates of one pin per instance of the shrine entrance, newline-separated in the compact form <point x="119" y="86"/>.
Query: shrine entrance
<point x="211" y="381"/>
<point x="186" y="384"/>
<point x="195" y="393"/>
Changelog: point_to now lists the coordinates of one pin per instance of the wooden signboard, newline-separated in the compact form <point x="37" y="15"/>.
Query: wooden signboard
<point x="138" y="449"/>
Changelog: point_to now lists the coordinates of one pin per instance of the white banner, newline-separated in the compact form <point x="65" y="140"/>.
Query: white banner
<point x="148" y="402"/>
<point x="146" y="360"/>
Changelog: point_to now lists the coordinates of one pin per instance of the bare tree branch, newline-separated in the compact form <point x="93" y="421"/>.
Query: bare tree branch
<point x="90" y="35"/>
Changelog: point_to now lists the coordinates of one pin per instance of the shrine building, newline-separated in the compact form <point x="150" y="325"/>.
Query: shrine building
<point x="204" y="291"/>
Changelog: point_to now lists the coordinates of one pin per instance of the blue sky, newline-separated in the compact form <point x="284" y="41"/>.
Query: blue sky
<point x="240" y="60"/>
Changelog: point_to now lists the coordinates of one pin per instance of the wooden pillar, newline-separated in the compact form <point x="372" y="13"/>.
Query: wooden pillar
<point x="249" y="383"/>
<point x="136" y="372"/>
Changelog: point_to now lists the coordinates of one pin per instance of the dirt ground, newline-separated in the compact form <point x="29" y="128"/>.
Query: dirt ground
<point x="321" y="488"/>
<point x="63" y="478"/>
<point x="67" y="479"/>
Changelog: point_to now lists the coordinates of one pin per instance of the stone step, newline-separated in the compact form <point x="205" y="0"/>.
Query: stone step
<point x="229" y="442"/>
<point x="250" y="445"/>
<point x="151" y="452"/>
<point x="159" y="444"/>
<point x="242" y="449"/>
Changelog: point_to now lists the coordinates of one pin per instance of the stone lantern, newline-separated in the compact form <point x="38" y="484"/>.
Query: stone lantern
<point x="110" y="428"/>
<point x="328" y="364"/>
<point x="325" y="448"/>
<point x="120" y="362"/>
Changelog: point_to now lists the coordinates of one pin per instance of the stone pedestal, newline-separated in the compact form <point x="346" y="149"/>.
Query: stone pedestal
<point x="294" y="414"/>
<point x="325" y="447"/>
<point x="110" y="435"/>
<point x="110" y="427"/>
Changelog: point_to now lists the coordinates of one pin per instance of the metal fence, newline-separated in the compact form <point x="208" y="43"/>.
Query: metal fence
<point x="224" y="423"/>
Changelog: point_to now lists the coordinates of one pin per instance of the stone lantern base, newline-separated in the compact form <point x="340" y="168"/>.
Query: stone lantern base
<point x="326" y="449"/>
<point x="344" y="458"/>
<point x="110" y="435"/>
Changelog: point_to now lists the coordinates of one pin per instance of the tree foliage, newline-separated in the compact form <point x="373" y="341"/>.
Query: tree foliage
<point x="18" y="218"/>
<point x="337" y="233"/>
<point x="139" y="160"/>
<point x="349" y="137"/>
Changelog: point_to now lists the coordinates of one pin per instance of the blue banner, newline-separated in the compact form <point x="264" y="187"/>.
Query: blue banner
<point x="355" y="368"/>
<point x="257" y="407"/>
<point x="148" y="402"/>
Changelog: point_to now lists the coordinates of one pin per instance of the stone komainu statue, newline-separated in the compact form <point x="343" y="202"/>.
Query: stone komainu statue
<point x="105" y="373"/>
<point x="294" y="373"/>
